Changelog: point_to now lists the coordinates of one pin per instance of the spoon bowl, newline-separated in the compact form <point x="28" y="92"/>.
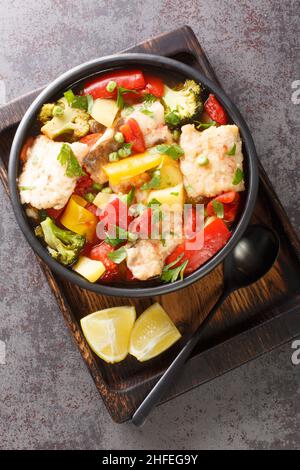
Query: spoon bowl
<point x="252" y="257"/>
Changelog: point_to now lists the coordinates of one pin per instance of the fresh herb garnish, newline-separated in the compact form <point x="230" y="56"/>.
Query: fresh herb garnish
<point x="67" y="158"/>
<point x="218" y="209"/>
<point x="171" y="275"/>
<point x="174" y="151"/>
<point x="238" y="176"/>
<point x="84" y="102"/>
<point x="120" y="236"/>
<point x="174" y="193"/>
<point x="204" y="125"/>
<point x="231" y="151"/>
<point x="172" y="118"/>
<point x="128" y="198"/>
<point x="154" y="182"/>
<point x="26" y="188"/>
<point x="149" y="99"/>
<point x="118" y="256"/>
<point x="121" y="92"/>
<point x="127" y="110"/>
<point x="154" y="202"/>
<point x="147" y="112"/>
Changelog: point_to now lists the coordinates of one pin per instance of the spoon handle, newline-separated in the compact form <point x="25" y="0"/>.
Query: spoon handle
<point x="154" y="397"/>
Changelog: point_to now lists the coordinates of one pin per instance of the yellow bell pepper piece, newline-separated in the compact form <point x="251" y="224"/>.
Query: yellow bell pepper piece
<point x="91" y="269"/>
<point x="78" y="219"/>
<point x="132" y="166"/>
<point x="170" y="174"/>
<point x="172" y="196"/>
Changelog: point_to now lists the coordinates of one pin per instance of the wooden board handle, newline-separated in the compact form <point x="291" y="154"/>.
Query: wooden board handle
<point x="12" y="113"/>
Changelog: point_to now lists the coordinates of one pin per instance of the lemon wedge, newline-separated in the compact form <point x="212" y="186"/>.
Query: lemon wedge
<point x="108" y="332"/>
<point x="153" y="333"/>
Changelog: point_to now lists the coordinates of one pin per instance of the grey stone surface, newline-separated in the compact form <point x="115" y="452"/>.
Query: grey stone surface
<point x="48" y="399"/>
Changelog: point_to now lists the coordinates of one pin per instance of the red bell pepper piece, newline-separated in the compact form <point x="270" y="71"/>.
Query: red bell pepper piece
<point x="83" y="185"/>
<point x="215" y="110"/>
<point x="141" y="225"/>
<point x="230" y="203"/>
<point x="130" y="79"/>
<point x="154" y="85"/>
<point x="115" y="213"/>
<point x="133" y="135"/>
<point x="99" y="253"/>
<point x="55" y="213"/>
<point x="216" y="235"/>
<point x="90" y="139"/>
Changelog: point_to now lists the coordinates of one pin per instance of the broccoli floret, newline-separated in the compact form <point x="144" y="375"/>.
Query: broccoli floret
<point x="184" y="104"/>
<point x="70" y="121"/>
<point x="46" y="113"/>
<point x="63" y="245"/>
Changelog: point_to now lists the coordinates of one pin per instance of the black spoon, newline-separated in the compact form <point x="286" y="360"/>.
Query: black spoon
<point x="252" y="258"/>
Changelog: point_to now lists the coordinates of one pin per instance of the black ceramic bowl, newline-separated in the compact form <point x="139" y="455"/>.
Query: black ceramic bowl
<point x="167" y="68"/>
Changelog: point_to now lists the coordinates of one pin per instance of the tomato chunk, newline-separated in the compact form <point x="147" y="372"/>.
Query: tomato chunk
<point x="230" y="201"/>
<point x="130" y="79"/>
<point x="133" y="135"/>
<point x="215" y="110"/>
<point x="216" y="235"/>
<point x="99" y="253"/>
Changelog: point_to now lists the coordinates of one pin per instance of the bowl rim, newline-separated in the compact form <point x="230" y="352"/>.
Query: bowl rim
<point x="98" y="66"/>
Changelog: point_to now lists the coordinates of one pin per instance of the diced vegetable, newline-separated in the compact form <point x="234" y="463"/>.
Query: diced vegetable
<point x="104" y="111"/>
<point x="170" y="174"/>
<point x="102" y="199"/>
<point x="172" y="196"/>
<point x="133" y="135"/>
<point x="215" y="110"/>
<point x="73" y="122"/>
<point x="63" y="245"/>
<point x="132" y="166"/>
<point x="230" y="202"/>
<point x="100" y="253"/>
<point x="216" y="235"/>
<point x="154" y="86"/>
<point x="78" y="219"/>
<point x="91" y="139"/>
<point x="91" y="269"/>
<point x="130" y="79"/>
<point x="184" y="104"/>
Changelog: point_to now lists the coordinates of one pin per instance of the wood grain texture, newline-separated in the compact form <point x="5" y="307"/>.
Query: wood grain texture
<point x="251" y="322"/>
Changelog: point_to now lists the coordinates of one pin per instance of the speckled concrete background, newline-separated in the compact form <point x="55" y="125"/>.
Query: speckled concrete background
<point x="48" y="399"/>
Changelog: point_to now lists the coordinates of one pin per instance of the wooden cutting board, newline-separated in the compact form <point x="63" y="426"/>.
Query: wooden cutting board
<point x="250" y="323"/>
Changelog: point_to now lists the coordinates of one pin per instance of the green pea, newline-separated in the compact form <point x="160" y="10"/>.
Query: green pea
<point x="107" y="190"/>
<point x="111" y="86"/>
<point x="97" y="186"/>
<point x="89" y="197"/>
<point x="202" y="161"/>
<point x="113" y="157"/>
<point x="119" y="137"/>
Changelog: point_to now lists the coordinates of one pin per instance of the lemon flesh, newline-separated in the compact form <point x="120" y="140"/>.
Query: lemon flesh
<point x="153" y="333"/>
<point x="108" y="332"/>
